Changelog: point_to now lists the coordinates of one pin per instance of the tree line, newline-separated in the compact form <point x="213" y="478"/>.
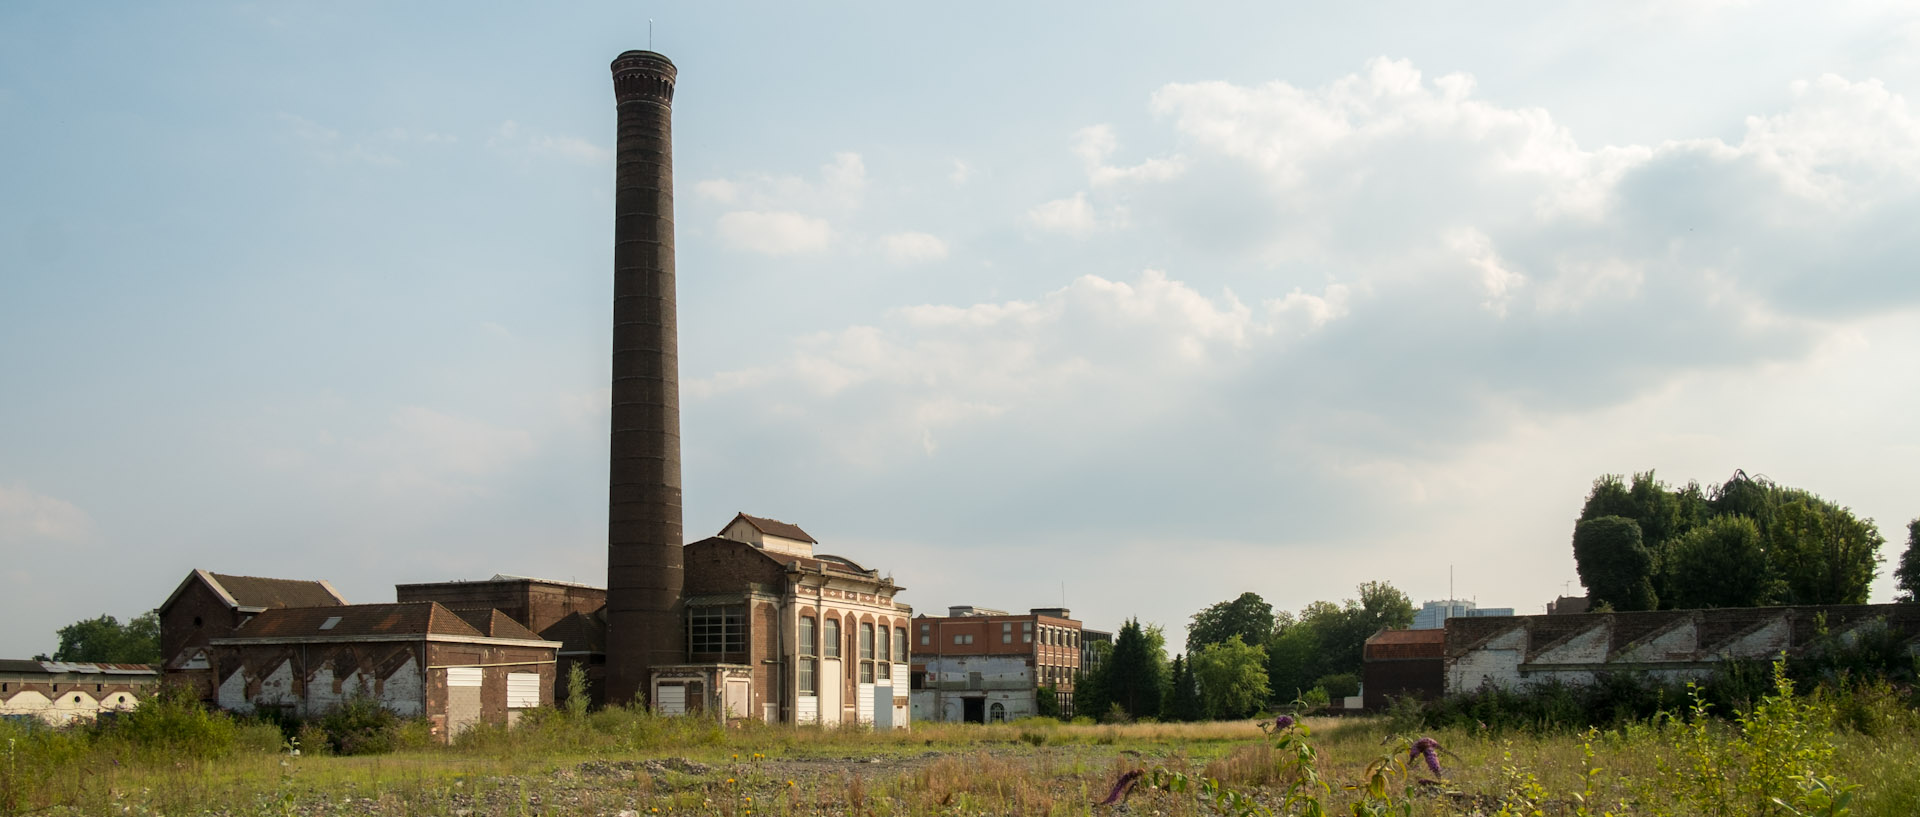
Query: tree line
<point x="1241" y="657"/>
<point x="1749" y="542"/>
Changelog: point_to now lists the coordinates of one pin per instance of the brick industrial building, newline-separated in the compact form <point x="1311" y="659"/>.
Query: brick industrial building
<point x="565" y="612"/>
<point x="208" y="605"/>
<point x="980" y="666"/>
<point x="416" y="659"/>
<point x="781" y="633"/>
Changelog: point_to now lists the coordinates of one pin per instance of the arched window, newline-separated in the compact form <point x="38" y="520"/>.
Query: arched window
<point x="996" y="713"/>
<point x="830" y="637"/>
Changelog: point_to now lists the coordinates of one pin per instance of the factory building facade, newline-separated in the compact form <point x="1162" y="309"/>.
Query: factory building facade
<point x="565" y="612"/>
<point x="978" y="665"/>
<point x="417" y="659"/>
<point x="208" y="605"/>
<point x="778" y="632"/>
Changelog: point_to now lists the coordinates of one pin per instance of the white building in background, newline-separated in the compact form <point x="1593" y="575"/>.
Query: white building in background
<point x="1434" y="614"/>
<point x="61" y="692"/>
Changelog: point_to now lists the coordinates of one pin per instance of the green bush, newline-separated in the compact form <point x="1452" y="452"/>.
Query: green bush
<point x="360" y="725"/>
<point x="176" y="725"/>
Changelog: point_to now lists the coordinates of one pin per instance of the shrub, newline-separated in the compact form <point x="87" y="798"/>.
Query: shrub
<point x="174" y="724"/>
<point x="360" y="725"/>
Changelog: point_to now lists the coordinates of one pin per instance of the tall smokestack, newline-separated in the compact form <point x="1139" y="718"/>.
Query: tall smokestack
<point x="644" y="561"/>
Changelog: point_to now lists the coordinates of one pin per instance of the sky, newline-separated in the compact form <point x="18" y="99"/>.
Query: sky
<point x="1123" y="306"/>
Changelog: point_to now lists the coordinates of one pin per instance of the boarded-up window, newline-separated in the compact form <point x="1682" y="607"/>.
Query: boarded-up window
<point x="463" y="676"/>
<point x="672" y="699"/>
<point x="523" y="690"/>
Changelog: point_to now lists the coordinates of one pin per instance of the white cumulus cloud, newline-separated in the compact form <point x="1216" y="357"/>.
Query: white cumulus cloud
<point x="913" y="248"/>
<point x="775" y="233"/>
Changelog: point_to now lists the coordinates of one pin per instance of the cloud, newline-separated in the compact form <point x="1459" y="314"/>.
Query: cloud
<point x="775" y="233"/>
<point x="1075" y="216"/>
<point x="960" y="174"/>
<point x="930" y="368"/>
<point x="913" y="248"/>
<point x="26" y="516"/>
<point x="840" y="185"/>
<point x="1366" y="281"/>
<point x="1096" y="144"/>
<point x="786" y="215"/>
<point x="512" y="136"/>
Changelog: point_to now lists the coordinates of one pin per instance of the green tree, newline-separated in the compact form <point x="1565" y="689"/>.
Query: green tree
<point x="1183" y="704"/>
<point x="1046" y="701"/>
<point x="1327" y="638"/>
<point x="1722" y="564"/>
<point x="1232" y="677"/>
<point x="1613" y="564"/>
<point x="1248" y="616"/>
<point x="1822" y="551"/>
<point x="1137" y="674"/>
<point x="1908" y="574"/>
<point x="105" y="639"/>
<point x="1092" y="695"/>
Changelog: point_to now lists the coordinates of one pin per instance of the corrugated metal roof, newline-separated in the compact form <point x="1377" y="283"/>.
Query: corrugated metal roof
<point x="76" y="667"/>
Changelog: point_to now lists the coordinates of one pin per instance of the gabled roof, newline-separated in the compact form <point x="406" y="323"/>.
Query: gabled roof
<point x="253" y="593"/>
<point x="400" y="618"/>
<point x="578" y="632"/>
<point x="775" y="527"/>
<point x="501" y="625"/>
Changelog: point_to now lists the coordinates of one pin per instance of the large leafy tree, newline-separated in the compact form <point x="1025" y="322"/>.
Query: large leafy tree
<point x="1907" y="575"/>
<point x="1822" y="551"/>
<point x="1232" y="676"/>
<point x="1327" y="638"/>
<point x="1613" y="563"/>
<point x="1249" y="617"/>
<point x="1722" y="564"/>
<point x="105" y="639"/>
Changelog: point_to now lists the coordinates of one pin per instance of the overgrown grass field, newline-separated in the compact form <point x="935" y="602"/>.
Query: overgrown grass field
<point x="1786" y="754"/>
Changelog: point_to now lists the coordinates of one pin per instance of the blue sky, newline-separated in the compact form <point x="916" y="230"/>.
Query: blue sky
<point x="1146" y="307"/>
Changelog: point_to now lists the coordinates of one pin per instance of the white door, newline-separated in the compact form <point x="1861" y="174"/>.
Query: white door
<point x="865" y="707"/>
<point x="739" y="697"/>
<point x="831" y="684"/>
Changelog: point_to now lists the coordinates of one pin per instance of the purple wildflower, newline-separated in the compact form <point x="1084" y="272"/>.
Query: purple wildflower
<point x="1283" y="723"/>
<point x="1122" y="788"/>
<point x="1429" y="749"/>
